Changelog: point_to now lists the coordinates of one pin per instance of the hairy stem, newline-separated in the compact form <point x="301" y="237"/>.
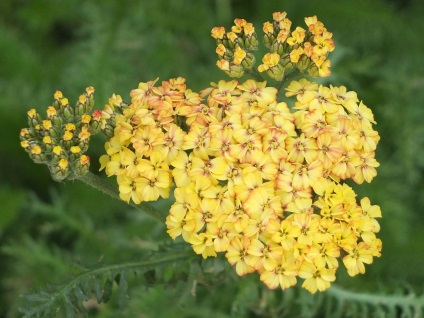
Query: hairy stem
<point x="255" y="74"/>
<point x="287" y="79"/>
<point x="111" y="190"/>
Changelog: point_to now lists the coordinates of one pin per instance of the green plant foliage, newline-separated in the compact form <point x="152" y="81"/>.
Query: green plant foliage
<point x="98" y="282"/>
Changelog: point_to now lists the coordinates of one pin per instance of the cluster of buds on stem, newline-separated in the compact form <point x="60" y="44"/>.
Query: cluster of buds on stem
<point x="297" y="50"/>
<point x="61" y="140"/>
<point x="235" y="48"/>
<point x="306" y="50"/>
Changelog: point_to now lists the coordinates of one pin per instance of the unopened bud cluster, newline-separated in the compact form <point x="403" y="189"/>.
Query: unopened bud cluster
<point x="61" y="139"/>
<point x="302" y="50"/>
<point x="235" y="47"/>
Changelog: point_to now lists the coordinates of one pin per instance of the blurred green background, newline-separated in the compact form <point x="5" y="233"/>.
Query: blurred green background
<point x="50" y="230"/>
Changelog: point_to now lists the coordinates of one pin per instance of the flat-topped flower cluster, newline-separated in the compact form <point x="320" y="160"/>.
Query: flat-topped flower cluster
<point x="252" y="179"/>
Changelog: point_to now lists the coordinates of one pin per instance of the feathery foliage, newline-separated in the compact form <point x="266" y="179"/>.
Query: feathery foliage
<point x="98" y="283"/>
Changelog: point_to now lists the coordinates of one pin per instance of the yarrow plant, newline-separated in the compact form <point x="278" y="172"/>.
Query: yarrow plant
<point x="255" y="176"/>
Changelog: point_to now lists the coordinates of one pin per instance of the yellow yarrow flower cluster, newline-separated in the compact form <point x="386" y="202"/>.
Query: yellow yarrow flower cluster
<point x="60" y="140"/>
<point x="262" y="184"/>
<point x="146" y="138"/>
<point x="253" y="179"/>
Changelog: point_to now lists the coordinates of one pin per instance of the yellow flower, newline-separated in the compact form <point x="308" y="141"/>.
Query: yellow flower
<point x="316" y="278"/>
<point x="32" y="113"/>
<point x="237" y="254"/>
<point x="146" y="139"/>
<point x="47" y="140"/>
<point x="223" y="65"/>
<point x="223" y="233"/>
<point x="268" y="28"/>
<point x="58" y="95"/>
<point x="47" y="124"/>
<point x="308" y="224"/>
<point x="70" y="127"/>
<point x="63" y="164"/>
<point x="259" y="92"/>
<point x="220" y="49"/>
<point x="203" y="244"/>
<point x="36" y="150"/>
<point x="153" y="166"/>
<point x="301" y="148"/>
<point x="279" y="16"/>
<point x="218" y="32"/>
<point x="300" y="87"/>
<point x="75" y="149"/>
<point x="182" y="167"/>
<point x="153" y="187"/>
<point x="283" y="275"/>
<point x="356" y="259"/>
<point x="269" y="60"/>
<point x="239" y="55"/>
<point x="297" y="36"/>
<point x="296" y="54"/>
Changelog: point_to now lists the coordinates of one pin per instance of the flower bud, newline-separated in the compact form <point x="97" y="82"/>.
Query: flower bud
<point x="82" y="165"/>
<point x="248" y="61"/>
<point x="54" y="134"/>
<point x="70" y="127"/>
<point x="276" y="72"/>
<point x="75" y="153"/>
<point x="95" y="123"/>
<point x="108" y="130"/>
<point x="48" y="143"/>
<point x="67" y="110"/>
<point x="60" y="170"/>
<point x="218" y="34"/>
<point x="90" y="95"/>
<point x="57" y="97"/>
<point x="37" y="154"/>
<point x="303" y="63"/>
<point x="57" y="153"/>
<point x="25" y="134"/>
<point x="67" y="139"/>
<point x="47" y="124"/>
<point x="80" y="107"/>
<point x="313" y="70"/>
<point x="25" y="144"/>
<point x="235" y="71"/>
<point x="34" y="118"/>
<point x="52" y="114"/>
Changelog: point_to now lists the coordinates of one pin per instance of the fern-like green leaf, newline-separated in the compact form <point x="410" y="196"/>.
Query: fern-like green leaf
<point x="68" y="299"/>
<point x="344" y="303"/>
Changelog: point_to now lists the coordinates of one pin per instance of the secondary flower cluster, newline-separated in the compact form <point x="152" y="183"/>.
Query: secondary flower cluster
<point x="254" y="180"/>
<point x="146" y="138"/>
<point x="60" y="140"/>
<point x="307" y="50"/>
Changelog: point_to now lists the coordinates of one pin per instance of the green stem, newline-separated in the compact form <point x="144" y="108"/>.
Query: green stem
<point x="111" y="190"/>
<point x="287" y="79"/>
<point x="255" y="74"/>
